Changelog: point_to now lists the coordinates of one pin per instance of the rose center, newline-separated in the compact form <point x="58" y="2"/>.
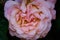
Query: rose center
<point x="22" y="19"/>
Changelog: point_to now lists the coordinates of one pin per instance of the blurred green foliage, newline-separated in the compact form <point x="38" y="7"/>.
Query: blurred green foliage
<point x="2" y="1"/>
<point x="3" y="24"/>
<point x="54" y="33"/>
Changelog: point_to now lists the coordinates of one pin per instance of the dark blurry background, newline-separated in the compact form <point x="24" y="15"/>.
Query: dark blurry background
<point x="54" y="33"/>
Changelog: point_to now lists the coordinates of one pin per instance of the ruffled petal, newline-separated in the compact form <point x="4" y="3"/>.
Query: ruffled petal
<point x="8" y="8"/>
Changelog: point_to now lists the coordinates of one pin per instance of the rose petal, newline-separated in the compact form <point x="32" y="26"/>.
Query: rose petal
<point x="8" y="8"/>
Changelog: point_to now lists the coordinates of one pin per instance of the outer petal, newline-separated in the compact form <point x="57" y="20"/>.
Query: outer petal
<point x="52" y="1"/>
<point x="19" y="1"/>
<point x="8" y="8"/>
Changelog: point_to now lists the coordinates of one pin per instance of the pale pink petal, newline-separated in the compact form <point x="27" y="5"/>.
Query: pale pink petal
<point x="52" y="1"/>
<point x="8" y="8"/>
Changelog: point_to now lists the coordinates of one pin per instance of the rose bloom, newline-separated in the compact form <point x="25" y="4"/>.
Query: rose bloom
<point x="29" y="19"/>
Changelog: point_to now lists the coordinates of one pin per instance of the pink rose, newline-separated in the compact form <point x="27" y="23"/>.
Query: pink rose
<point x="29" y="20"/>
